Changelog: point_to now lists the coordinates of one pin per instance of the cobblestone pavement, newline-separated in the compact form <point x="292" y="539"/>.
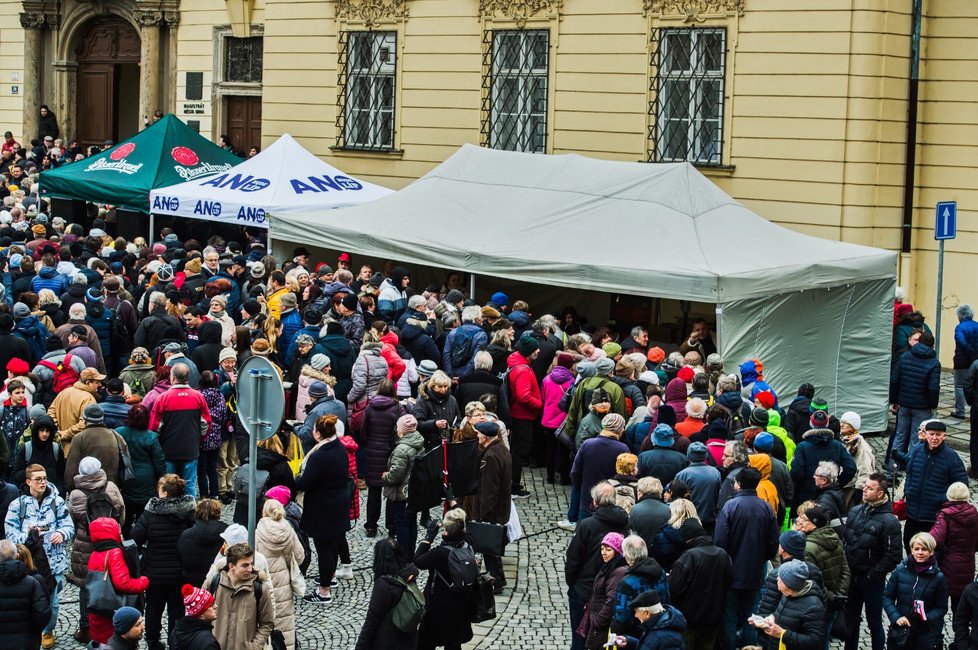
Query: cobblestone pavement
<point x="531" y="612"/>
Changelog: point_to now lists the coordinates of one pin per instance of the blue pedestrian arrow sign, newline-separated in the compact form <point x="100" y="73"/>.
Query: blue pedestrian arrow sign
<point x="946" y="223"/>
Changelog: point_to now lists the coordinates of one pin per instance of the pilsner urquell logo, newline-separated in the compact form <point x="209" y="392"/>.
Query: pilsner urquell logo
<point x="189" y="166"/>
<point x="118" y="161"/>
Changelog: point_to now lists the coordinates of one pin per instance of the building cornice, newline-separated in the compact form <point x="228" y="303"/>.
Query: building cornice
<point x="693" y="10"/>
<point x="372" y="12"/>
<point x="520" y="11"/>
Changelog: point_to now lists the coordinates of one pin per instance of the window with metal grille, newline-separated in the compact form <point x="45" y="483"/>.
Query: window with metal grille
<point x="368" y="68"/>
<point x="515" y="78"/>
<point x="688" y="69"/>
<point x="243" y="59"/>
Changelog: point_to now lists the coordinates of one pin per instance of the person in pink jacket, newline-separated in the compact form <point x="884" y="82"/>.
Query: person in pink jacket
<point x="555" y="386"/>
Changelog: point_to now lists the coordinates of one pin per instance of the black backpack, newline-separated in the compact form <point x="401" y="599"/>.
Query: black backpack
<point x="462" y="346"/>
<point x="98" y="504"/>
<point x="120" y="338"/>
<point x="462" y="568"/>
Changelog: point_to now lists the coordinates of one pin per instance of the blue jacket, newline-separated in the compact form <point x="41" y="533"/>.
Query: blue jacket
<point x="477" y="341"/>
<point x="661" y="462"/>
<point x="965" y="344"/>
<point x="291" y="328"/>
<point x="704" y="486"/>
<point x="100" y="319"/>
<point x="815" y="446"/>
<point x="116" y="411"/>
<point x="904" y="587"/>
<point x="328" y="405"/>
<point x="662" y="632"/>
<point x="33" y="331"/>
<point x="635" y="433"/>
<point x="49" y="278"/>
<point x="916" y="379"/>
<point x="929" y="475"/>
<point x="747" y="530"/>
<point x="645" y="574"/>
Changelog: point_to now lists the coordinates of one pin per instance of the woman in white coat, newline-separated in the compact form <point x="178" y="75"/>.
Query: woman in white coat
<point x="277" y="541"/>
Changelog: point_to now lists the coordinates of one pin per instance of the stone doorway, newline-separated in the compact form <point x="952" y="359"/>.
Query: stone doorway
<point x="107" y="99"/>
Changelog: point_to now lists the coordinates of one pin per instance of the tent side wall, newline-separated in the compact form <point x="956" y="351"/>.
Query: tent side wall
<point x="838" y="339"/>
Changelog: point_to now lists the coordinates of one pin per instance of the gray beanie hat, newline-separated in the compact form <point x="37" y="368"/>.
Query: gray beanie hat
<point x="793" y="574"/>
<point x="89" y="465"/>
<point x="93" y="414"/>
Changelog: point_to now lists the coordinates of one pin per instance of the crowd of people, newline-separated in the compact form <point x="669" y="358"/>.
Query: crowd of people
<point x="705" y="511"/>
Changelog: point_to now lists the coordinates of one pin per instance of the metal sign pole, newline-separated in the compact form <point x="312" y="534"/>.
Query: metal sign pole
<point x="940" y="298"/>
<point x="253" y="459"/>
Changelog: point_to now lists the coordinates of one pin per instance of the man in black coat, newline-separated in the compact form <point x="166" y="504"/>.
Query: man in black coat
<point x="24" y="605"/>
<point x="583" y="557"/>
<point x="872" y="543"/>
<point x="159" y="326"/>
<point x="481" y="381"/>
<point x="11" y="345"/>
<point x="541" y="365"/>
<point x="649" y="514"/>
<point x="698" y="585"/>
<point x="492" y="503"/>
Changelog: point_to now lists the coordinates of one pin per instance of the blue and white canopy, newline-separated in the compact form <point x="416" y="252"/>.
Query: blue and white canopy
<point x="283" y="179"/>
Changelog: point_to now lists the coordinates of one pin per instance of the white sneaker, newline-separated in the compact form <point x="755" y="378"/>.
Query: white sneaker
<point x="345" y="571"/>
<point x="567" y="524"/>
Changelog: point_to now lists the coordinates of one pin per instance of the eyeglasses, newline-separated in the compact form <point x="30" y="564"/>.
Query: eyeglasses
<point x="39" y="479"/>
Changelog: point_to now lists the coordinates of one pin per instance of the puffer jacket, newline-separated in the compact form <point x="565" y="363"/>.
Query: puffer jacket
<point x="965" y="344"/>
<point x="929" y="474"/>
<point x="418" y="342"/>
<point x="378" y="435"/>
<point x="907" y="585"/>
<point x="872" y="540"/>
<point x="328" y="405"/>
<point x="35" y="334"/>
<point x="82" y="547"/>
<point x="432" y="407"/>
<point x="661" y="632"/>
<point x="25" y="608"/>
<point x="276" y="540"/>
<point x="399" y="466"/>
<point x="50" y="512"/>
<point x="368" y="371"/>
<point x="341" y="361"/>
<point x="601" y="607"/>
<point x="915" y="381"/>
<point x="956" y="532"/>
<point x="824" y="548"/>
<point x="965" y="619"/>
<point x="832" y="499"/>
<point x="470" y="334"/>
<point x="802" y="617"/>
<point x="157" y="531"/>
<point x="307" y="376"/>
<point x="101" y="321"/>
<point x="197" y="547"/>
<point x="555" y="385"/>
<point x="797" y="418"/>
<point x="818" y="445"/>
<point x="148" y="463"/>
<point x="775" y="429"/>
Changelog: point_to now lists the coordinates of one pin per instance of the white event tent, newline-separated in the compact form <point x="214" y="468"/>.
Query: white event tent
<point x="813" y="310"/>
<point x="283" y="179"/>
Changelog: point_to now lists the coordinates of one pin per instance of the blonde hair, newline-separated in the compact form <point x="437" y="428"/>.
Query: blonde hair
<point x="439" y="378"/>
<point x="472" y="407"/>
<point x="273" y="510"/>
<point x="923" y="539"/>
<point x="270" y="328"/>
<point x="625" y="464"/>
<point x="681" y="509"/>
<point x="273" y="444"/>
<point x="454" y="522"/>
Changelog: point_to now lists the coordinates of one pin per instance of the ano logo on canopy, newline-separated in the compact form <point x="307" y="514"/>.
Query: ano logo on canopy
<point x="326" y="183"/>
<point x="238" y="182"/>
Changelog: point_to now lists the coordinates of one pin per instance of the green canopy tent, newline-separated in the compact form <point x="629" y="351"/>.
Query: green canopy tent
<point x="164" y="154"/>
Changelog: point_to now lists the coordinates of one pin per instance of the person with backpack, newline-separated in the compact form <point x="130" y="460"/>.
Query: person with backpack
<point x="29" y="327"/>
<point x="276" y="540"/>
<point x="123" y="324"/>
<point x="450" y="591"/>
<point x="94" y="496"/>
<point x="55" y="371"/>
<point x="246" y="611"/>
<point x="108" y="556"/>
<point x="40" y="508"/>
<point x="396" y="604"/>
<point x="463" y="342"/>
<point x="40" y="448"/>
<point x="156" y="532"/>
<point x="71" y="401"/>
<point x="139" y="375"/>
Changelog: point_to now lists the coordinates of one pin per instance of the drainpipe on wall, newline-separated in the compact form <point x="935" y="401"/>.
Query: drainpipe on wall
<point x="911" y="156"/>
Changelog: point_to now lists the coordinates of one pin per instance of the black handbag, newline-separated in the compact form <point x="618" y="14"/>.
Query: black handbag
<point x="898" y="638"/>
<point x="425" y="489"/>
<point x="100" y="593"/>
<point x="842" y="625"/>
<point x="487" y="538"/>
<point x="485" y="599"/>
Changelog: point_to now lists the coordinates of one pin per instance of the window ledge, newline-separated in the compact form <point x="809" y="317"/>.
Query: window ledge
<point x="352" y="152"/>
<point x="718" y="171"/>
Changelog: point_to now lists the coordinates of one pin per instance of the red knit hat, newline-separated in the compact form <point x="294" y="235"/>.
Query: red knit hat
<point x="686" y="374"/>
<point x="18" y="366"/>
<point x="195" y="600"/>
<point x="765" y="398"/>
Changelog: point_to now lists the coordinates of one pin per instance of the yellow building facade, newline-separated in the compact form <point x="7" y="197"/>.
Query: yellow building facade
<point x="798" y="109"/>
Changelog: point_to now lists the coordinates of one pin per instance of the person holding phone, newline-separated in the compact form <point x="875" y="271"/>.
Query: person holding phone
<point x="915" y="596"/>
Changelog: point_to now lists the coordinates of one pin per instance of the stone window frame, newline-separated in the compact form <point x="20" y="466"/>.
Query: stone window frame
<point x="220" y="88"/>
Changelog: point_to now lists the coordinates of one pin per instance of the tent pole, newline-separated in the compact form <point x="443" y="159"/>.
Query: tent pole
<point x="268" y="241"/>
<point x="472" y="286"/>
<point x="152" y="229"/>
<point x="716" y="328"/>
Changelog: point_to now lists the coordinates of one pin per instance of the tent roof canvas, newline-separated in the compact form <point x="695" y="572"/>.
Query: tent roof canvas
<point x="285" y="178"/>
<point x="636" y="228"/>
<point x="166" y="153"/>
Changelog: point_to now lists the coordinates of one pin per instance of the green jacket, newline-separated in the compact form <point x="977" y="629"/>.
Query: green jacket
<point x="578" y="408"/>
<point x="589" y="427"/>
<point x="825" y="549"/>
<point x="399" y="466"/>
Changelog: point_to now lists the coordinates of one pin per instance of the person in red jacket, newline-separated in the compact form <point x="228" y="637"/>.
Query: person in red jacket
<point x="107" y="538"/>
<point x="525" y="406"/>
<point x="395" y="364"/>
